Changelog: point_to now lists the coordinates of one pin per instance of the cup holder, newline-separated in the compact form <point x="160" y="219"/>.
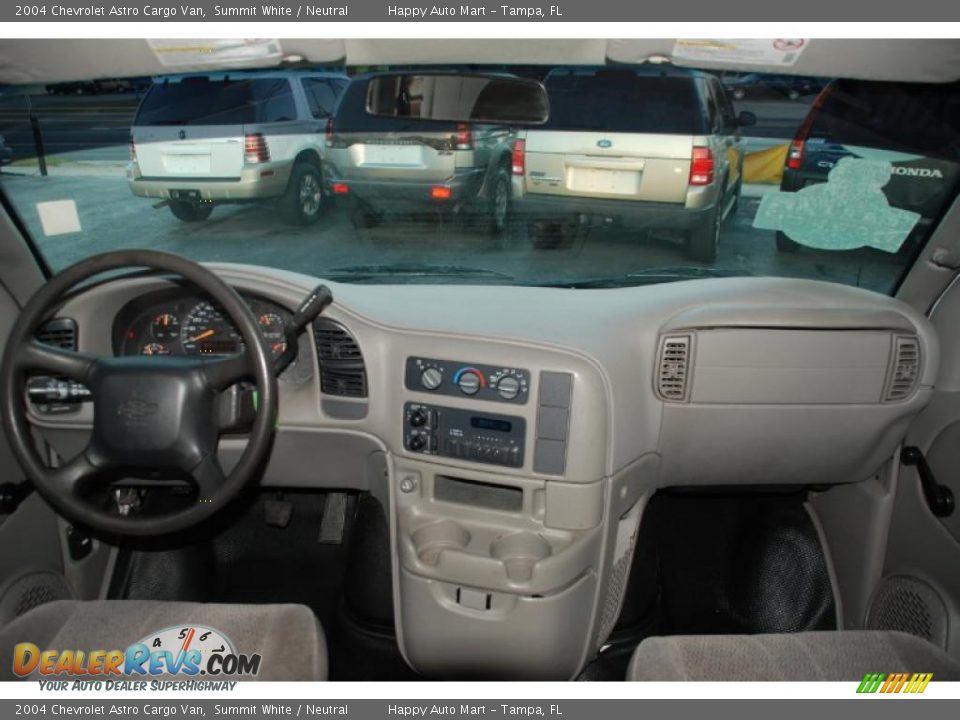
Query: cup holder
<point x="519" y="553"/>
<point x="433" y="539"/>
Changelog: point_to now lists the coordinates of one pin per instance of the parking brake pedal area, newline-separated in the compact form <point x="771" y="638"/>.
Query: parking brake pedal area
<point x="334" y="519"/>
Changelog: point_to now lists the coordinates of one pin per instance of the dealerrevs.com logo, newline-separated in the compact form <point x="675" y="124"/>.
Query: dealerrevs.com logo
<point x="188" y="651"/>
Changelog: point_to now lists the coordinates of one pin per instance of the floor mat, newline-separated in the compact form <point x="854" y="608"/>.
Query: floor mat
<point x="712" y="563"/>
<point x="740" y="564"/>
<point x="242" y="559"/>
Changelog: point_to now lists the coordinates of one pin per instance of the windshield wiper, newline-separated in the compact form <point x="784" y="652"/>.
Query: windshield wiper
<point x="650" y="276"/>
<point x="352" y="273"/>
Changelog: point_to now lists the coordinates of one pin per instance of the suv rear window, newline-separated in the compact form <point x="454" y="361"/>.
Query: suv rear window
<point x="906" y="117"/>
<point x="630" y="103"/>
<point x="223" y="101"/>
<point x="352" y="116"/>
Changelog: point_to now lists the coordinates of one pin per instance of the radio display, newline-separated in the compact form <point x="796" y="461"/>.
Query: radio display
<point x="486" y="423"/>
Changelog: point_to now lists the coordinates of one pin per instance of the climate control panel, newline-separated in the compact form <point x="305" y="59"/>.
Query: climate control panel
<point x="475" y="380"/>
<point x="464" y="434"/>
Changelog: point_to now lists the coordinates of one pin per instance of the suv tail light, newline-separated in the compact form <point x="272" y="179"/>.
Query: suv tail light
<point x="464" y="137"/>
<point x="701" y="166"/>
<point x="799" y="144"/>
<point x="518" y="157"/>
<point x="255" y="149"/>
<point x="795" y="154"/>
<point x="330" y="132"/>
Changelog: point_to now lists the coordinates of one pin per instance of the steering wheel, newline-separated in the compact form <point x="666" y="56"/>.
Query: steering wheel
<point x="155" y="417"/>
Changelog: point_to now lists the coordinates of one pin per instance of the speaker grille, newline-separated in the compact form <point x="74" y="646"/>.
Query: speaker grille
<point x="906" y="604"/>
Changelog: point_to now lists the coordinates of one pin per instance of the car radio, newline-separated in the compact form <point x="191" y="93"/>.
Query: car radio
<point x="464" y="434"/>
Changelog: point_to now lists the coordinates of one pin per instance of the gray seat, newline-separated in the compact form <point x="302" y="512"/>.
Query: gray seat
<point x="288" y="638"/>
<point x="833" y="656"/>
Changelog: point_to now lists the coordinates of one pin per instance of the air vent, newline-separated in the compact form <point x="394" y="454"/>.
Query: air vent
<point x="673" y="368"/>
<point x="905" y="368"/>
<point x="59" y="332"/>
<point x="342" y="371"/>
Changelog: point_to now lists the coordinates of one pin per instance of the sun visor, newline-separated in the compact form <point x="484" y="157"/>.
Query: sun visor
<point x="482" y="52"/>
<point x="25" y="61"/>
<point x="914" y="60"/>
<point x="49" y="61"/>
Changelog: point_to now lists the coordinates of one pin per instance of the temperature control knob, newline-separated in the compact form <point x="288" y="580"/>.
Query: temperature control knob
<point x="418" y="417"/>
<point x="508" y="387"/>
<point x="469" y="382"/>
<point x="417" y="442"/>
<point x="431" y="378"/>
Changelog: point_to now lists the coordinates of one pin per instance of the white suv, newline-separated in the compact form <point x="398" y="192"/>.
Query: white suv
<point x="202" y="140"/>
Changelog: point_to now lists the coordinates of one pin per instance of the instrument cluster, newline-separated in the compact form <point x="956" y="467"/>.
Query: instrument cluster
<point x="177" y="323"/>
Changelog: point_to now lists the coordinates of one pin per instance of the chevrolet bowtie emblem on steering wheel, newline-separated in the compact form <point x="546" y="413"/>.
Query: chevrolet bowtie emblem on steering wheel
<point x="136" y="408"/>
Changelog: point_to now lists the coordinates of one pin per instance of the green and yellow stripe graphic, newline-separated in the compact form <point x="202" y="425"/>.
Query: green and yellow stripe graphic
<point x="894" y="682"/>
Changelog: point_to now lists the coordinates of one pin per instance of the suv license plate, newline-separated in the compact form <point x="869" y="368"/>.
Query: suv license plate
<point x="185" y="194"/>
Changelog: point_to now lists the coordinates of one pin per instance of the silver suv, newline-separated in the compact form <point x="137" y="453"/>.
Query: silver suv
<point x="382" y="165"/>
<point x="201" y="140"/>
<point x="657" y="148"/>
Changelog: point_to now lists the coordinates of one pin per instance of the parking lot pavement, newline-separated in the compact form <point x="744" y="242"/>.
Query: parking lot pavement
<point x="112" y="218"/>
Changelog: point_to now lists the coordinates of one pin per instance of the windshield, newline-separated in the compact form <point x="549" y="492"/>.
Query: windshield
<point x="642" y="174"/>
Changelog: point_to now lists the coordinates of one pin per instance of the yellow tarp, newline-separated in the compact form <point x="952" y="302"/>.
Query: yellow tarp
<point x="765" y="167"/>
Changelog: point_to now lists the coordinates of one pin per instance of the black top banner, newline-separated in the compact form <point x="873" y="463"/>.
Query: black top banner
<point x="324" y="11"/>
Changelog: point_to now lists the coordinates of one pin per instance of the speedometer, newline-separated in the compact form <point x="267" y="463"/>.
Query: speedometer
<point x="206" y="331"/>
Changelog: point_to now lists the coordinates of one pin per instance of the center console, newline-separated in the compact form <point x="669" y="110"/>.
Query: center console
<point x="499" y="515"/>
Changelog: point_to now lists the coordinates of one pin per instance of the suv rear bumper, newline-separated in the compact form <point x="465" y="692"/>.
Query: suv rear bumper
<point x="632" y="213"/>
<point x="255" y="183"/>
<point x="397" y="195"/>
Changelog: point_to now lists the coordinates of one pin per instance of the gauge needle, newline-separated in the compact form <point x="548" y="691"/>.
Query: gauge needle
<point x="204" y="334"/>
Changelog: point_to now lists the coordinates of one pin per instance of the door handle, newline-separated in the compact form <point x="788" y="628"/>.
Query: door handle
<point x="939" y="497"/>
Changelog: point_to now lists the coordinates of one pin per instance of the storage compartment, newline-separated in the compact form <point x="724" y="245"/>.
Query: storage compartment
<point x="450" y="633"/>
<point x="478" y="494"/>
<point x="790" y="367"/>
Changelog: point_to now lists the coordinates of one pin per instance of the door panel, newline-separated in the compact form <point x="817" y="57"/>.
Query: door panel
<point x="922" y="547"/>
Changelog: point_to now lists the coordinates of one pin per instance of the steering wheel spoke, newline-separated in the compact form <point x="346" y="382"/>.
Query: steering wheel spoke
<point x="67" y="478"/>
<point x="209" y="476"/>
<point x="34" y="355"/>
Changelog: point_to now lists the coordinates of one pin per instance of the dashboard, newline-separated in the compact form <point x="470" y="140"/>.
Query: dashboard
<point x="179" y="322"/>
<point x="513" y="449"/>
